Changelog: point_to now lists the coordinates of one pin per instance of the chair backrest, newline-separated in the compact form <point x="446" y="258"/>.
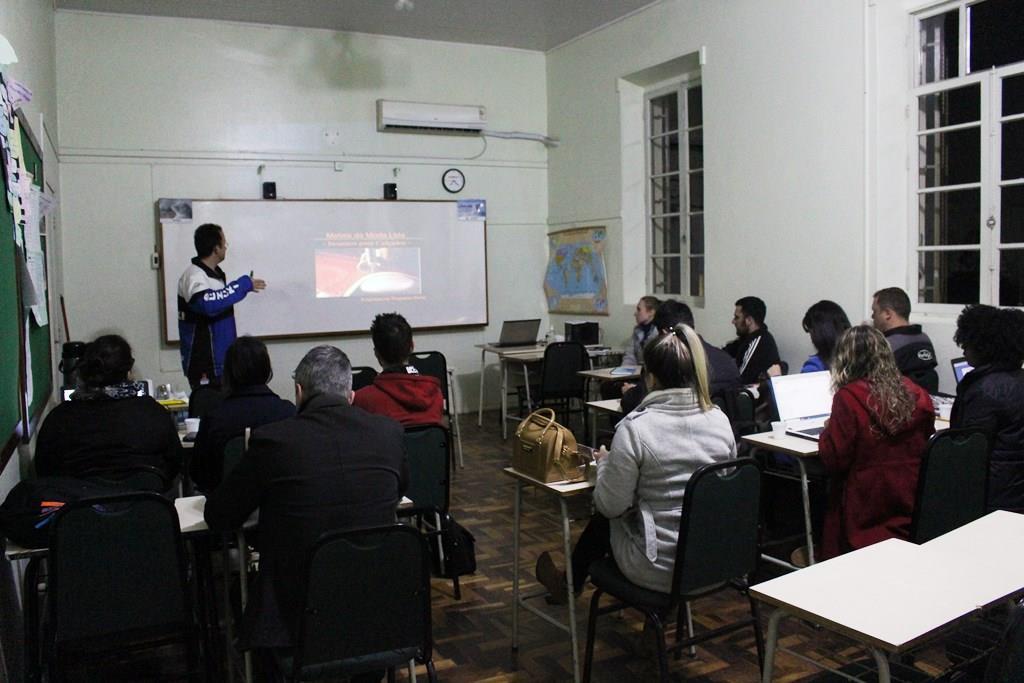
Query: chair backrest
<point x="953" y="483"/>
<point x="133" y="478"/>
<point x="560" y="377"/>
<point x="718" y="532"/>
<point x="233" y="451"/>
<point x="433" y="363"/>
<point x="367" y="593"/>
<point x="428" y="453"/>
<point x="203" y="399"/>
<point x="362" y="376"/>
<point x="117" y="565"/>
<point x="1006" y="663"/>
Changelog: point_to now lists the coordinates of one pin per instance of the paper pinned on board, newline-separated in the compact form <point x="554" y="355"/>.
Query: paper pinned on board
<point x="7" y="55"/>
<point x="18" y="92"/>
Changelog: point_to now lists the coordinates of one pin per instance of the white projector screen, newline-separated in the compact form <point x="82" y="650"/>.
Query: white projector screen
<point x="331" y="265"/>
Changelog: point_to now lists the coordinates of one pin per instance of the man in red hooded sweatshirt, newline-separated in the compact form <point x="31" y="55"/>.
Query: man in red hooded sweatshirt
<point x="399" y="391"/>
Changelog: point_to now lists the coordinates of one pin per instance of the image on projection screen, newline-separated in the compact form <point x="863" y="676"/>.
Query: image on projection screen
<point x="331" y="266"/>
<point x="375" y="271"/>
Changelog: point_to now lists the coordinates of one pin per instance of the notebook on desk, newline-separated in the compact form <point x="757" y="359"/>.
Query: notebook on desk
<point x="804" y="402"/>
<point x="518" y="333"/>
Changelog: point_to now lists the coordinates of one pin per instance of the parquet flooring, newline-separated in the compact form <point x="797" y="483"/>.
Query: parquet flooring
<point x="472" y="636"/>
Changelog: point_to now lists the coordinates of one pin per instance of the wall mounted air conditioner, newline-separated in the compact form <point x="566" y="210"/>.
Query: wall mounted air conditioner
<point x="419" y="117"/>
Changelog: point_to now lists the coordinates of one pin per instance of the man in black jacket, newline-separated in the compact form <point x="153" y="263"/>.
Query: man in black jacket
<point x="754" y="349"/>
<point x="331" y="467"/>
<point x="723" y="375"/>
<point x="915" y="355"/>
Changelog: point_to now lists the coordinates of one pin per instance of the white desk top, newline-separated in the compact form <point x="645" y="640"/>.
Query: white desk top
<point x="564" y="489"/>
<point x="608" y="405"/>
<point x="894" y="594"/>
<point x="785" y="443"/>
<point x="610" y="374"/>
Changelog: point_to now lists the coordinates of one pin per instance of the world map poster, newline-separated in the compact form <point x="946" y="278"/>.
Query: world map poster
<point x="576" y="280"/>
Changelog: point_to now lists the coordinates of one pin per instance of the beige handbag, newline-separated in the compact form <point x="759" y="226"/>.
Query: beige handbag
<point x="545" y="450"/>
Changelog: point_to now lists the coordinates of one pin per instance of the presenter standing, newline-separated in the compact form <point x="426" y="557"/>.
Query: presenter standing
<point x="206" y="315"/>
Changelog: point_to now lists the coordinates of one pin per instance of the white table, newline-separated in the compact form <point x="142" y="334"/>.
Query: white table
<point x="895" y="595"/>
<point x="609" y="406"/>
<point x="521" y="355"/>
<point x="562" y="491"/>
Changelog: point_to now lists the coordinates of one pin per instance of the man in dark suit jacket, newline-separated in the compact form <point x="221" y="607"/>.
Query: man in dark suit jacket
<point x="331" y="467"/>
<point x="723" y="374"/>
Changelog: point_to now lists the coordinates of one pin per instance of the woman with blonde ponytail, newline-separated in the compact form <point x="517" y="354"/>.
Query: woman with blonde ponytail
<point x="872" y="444"/>
<point x="675" y="430"/>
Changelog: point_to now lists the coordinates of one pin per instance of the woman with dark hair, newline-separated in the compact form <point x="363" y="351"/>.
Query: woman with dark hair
<point x="991" y="395"/>
<point x="872" y="444"/>
<point x="108" y="429"/>
<point x="249" y="403"/>
<point x="824" y="321"/>
<point x="674" y="431"/>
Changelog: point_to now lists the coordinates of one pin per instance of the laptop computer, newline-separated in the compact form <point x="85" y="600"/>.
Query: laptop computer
<point x="960" y="368"/>
<point x="804" y="402"/>
<point x="518" y="333"/>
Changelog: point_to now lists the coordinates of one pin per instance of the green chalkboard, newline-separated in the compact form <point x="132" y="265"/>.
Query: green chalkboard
<point x="14" y="371"/>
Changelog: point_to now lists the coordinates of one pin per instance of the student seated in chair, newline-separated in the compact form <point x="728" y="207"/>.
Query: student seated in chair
<point x="331" y="467"/>
<point x="915" y="355"/>
<point x="991" y="395"/>
<point x="399" y="391"/>
<point x="641" y="481"/>
<point x="107" y="429"/>
<point x="643" y="332"/>
<point x="824" y="321"/>
<point x="754" y="350"/>
<point x="872" y="444"/>
<point x="249" y="403"/>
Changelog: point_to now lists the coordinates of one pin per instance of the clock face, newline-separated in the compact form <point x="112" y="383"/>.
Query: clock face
<point x="453" y="180"/>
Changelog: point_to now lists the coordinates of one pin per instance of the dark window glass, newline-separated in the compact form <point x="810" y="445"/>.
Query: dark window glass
<point x="1013" y="149"/>
<point x="1013" y="95"/>
<point x="665" y="154"/>
<point x="949" y="217"/>
<point x="949" y="158"/>
<point x="697" y="191"/>
<point x="1011" y="220"/>
<point x="996" y="33"/>
<point x="940" y="58"/>
<point x="696" y="148"/>
<point x="697" y="234"/>
<point x="949" y="107"/>
<point x="1011" y="277"/>
<point x="666" y="275"/>
<point x="948" y="277"/>
<point x="665" y="195"/>
<point x="694" y="106"/>
<point x="665" y="235"/>
<point x="697" y="276"/>
<point x="664" y="113"/>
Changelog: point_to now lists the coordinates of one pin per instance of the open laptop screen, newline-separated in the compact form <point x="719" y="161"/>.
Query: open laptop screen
<point x="807" y="394"/>
<point x="960" y="368"/>
<point x="519" y="332"/>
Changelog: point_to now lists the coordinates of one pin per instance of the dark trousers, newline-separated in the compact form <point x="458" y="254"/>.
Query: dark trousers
<point x="595" y="543"/>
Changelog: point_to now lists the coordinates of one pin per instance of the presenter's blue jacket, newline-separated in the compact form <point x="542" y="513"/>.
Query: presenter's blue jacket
<point x="206" y="318"/>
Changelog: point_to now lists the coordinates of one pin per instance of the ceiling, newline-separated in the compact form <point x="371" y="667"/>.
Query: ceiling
<point x="526" y="24"/>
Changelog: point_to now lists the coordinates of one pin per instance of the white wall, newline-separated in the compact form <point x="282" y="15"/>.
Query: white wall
<point x="784" y="152"/>
<point x="29" y="26"/>
<point x="157" y="107"/>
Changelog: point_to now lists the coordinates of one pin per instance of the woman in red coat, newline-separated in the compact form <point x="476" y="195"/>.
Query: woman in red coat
<point x="872" y="444"/>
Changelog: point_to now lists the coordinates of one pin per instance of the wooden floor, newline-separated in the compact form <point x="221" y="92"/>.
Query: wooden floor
<point x="472" y="636"/>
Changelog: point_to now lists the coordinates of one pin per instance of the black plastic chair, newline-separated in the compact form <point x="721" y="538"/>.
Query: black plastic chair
<point x="717" y="549"/>
<point x="428" y="454"/>
<point x="118" y="581"/>
<point x="366" y="605"/>
<point x="233" y="451"/>
<point x="434" y="364"/>
<point x="560" y="382"/>
<point x="362" y="376"/>
<point x="1007" y="660"/>
<point x="952" y="486"/>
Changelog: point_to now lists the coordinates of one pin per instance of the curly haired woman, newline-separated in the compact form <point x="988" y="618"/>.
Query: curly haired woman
<point x="872" y="444"/>
<point x="991" y="395"/>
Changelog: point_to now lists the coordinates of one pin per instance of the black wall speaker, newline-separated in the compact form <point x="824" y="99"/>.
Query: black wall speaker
<point x="270" y="190"/>
<point x="390" y="190"/>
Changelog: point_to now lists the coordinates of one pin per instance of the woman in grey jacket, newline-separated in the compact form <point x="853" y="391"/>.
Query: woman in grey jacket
<point x="640" y="483"/>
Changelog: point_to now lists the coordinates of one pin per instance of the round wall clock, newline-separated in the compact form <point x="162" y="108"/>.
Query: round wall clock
<point x="453" y="180"/>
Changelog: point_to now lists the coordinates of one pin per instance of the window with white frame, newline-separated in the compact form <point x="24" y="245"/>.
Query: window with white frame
<point x="675" y="190"/>
<point x="968" y="130"/>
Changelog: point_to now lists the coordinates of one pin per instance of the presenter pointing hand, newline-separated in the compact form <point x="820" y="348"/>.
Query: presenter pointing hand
<point x="206" y="317"/>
